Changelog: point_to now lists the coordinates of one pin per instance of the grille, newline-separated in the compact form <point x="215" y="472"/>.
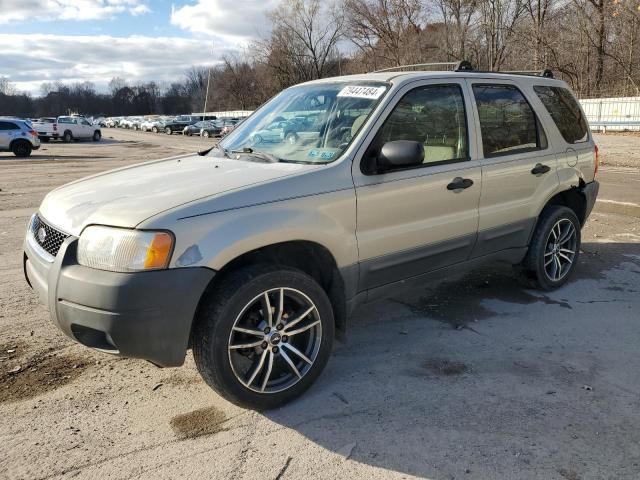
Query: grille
<point x="53" y="238"/>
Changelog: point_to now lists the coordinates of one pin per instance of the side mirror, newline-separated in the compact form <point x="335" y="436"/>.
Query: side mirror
<point x="400" y="154"/>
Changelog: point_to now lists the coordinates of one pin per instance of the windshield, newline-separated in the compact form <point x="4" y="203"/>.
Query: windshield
<point x="309" y="123"/>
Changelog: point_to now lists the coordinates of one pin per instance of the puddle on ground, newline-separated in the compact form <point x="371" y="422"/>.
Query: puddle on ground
<point x="459" y="302"/>
<point x="205" y="421"/>
<point x="23" y="377"/>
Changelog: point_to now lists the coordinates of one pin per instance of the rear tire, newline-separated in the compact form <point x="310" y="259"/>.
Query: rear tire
<point x="260" y="375"/>
<point x="154" y="129"/>
<point x="205" y="134"/>
<point x="168" y="131"/>
<point x="21" y="148"/>
<point x="554" y="249"/>
<point x="97" y="136"/>
<point x="67" y="137"/>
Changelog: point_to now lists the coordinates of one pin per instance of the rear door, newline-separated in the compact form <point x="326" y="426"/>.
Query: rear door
<point x="518" y="164"/>
<point x="411" y="221"/>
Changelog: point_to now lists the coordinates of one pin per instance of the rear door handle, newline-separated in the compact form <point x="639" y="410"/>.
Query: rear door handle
<point x="460" y="183"/>
<point x="539" y="169"/>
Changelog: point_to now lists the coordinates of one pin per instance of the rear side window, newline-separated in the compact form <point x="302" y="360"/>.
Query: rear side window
<point x="507" y="121"/>
<point x="566" y="113"/>
<point x="8" y="126"/>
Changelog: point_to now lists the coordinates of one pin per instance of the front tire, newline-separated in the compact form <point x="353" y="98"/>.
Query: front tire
<point x="205" y="134"/>
<point x="97" y="136"/>
<point x="154" y="129"/>
<point x="168" y="131"/>
<point x="554" y="249"/>
<point x="263" y="335"/>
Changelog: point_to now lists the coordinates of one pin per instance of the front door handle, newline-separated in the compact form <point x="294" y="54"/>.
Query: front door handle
<point x="539" y="169"/>
<point x="460" y="183"/>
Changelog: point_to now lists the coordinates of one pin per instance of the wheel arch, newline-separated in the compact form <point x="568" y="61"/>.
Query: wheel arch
<point x="307" y="256"/>
<point x="19" y="140"/>
<point x="572" y="198"/>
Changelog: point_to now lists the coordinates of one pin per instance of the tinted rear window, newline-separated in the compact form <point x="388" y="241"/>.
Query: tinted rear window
<point x="9" y="126"/>
<point x="565" y="111"/>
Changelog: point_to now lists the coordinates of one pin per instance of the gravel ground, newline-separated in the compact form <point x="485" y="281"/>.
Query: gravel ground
<point x="476" y="378"/>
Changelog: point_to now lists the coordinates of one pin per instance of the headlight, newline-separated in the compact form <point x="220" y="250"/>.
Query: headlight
<point x="122" y="250"/>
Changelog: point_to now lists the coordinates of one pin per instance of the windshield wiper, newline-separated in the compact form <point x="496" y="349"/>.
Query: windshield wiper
<point x="256" y="153"/>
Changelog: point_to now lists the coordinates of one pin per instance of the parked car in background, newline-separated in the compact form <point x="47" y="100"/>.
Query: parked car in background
<point x="178" y="123"/>
<point x="135" y="122"/>
<point x="147" y="124"/>
<point x="158" y="125"/>
<point x="47" y="128"/>
<point x="229" y="126"/>
<point x="18" y="136"/>
<point x="195" y="129"/>
<point x="112" y="122"/>
<point x="75" y="128"/>
<point x="213" y="129"/>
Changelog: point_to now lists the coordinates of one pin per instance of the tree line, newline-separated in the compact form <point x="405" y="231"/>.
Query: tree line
<point x="592" y="44"/>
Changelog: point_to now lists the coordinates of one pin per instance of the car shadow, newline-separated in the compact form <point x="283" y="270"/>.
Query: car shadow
<point x="480" y="375"/>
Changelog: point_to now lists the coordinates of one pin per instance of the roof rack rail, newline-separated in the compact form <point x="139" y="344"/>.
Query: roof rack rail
<point x="419" y="65"/>
<point x="464" y="66"/>
<point x="537" y="73"/>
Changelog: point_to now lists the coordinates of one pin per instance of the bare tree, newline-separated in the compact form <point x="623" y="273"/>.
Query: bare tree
<point x="538" y="11"/>
<point x="304" y="37"/>
<point x="382" y="28"/>
<point x="457" y="17"/>
<point x="498" y="21"/>
<point x="6" y="87"/>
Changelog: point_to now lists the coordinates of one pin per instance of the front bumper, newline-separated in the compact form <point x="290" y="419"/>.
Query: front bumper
<point x="145" y="315"/>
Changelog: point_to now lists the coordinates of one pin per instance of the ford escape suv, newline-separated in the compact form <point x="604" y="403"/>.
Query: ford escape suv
<point x="254" y="253"/>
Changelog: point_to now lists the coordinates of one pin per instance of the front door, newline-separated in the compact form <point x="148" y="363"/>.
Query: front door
<point x="411" y="221"/>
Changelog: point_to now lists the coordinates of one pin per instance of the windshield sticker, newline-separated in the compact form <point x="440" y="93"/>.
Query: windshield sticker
<point x="362" y="91"/>
<point x="322" y="154"/>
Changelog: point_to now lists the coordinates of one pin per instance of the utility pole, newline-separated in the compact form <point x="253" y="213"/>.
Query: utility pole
<point x="206" y="96"/>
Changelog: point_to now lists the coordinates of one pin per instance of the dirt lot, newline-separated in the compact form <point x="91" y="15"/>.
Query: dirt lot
<point x="477" y="378"/>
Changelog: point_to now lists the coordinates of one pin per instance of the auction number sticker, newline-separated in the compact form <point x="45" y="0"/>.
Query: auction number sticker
<point x="362" y="91"/>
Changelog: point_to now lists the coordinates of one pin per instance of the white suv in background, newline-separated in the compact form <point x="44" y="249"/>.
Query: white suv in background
<point x="74" y="128"/>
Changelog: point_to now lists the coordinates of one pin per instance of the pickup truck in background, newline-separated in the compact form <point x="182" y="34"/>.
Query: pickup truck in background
<point x="47" y="128"/>
<point x="74" y="128"/>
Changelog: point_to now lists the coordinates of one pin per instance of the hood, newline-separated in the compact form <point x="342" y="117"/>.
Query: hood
<point x="128" y="196"/>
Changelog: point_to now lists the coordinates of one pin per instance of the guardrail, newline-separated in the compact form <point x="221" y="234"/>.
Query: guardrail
<point x="615" y="114"/>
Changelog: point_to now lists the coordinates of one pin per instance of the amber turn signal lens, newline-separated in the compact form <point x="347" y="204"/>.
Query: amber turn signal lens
<point x="159" y="251"/>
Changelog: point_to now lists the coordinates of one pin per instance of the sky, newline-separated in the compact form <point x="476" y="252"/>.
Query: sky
<point x="137" y="40"/>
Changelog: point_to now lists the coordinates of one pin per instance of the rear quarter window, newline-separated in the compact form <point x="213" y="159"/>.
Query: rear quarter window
<point x="565" y="112"/>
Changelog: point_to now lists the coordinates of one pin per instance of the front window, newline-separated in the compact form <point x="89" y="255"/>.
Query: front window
<point x="309" y="123"/>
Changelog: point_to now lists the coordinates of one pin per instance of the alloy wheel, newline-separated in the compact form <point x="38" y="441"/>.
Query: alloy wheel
<point x="560" y="250"/>
<point x="275" y="340"/>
